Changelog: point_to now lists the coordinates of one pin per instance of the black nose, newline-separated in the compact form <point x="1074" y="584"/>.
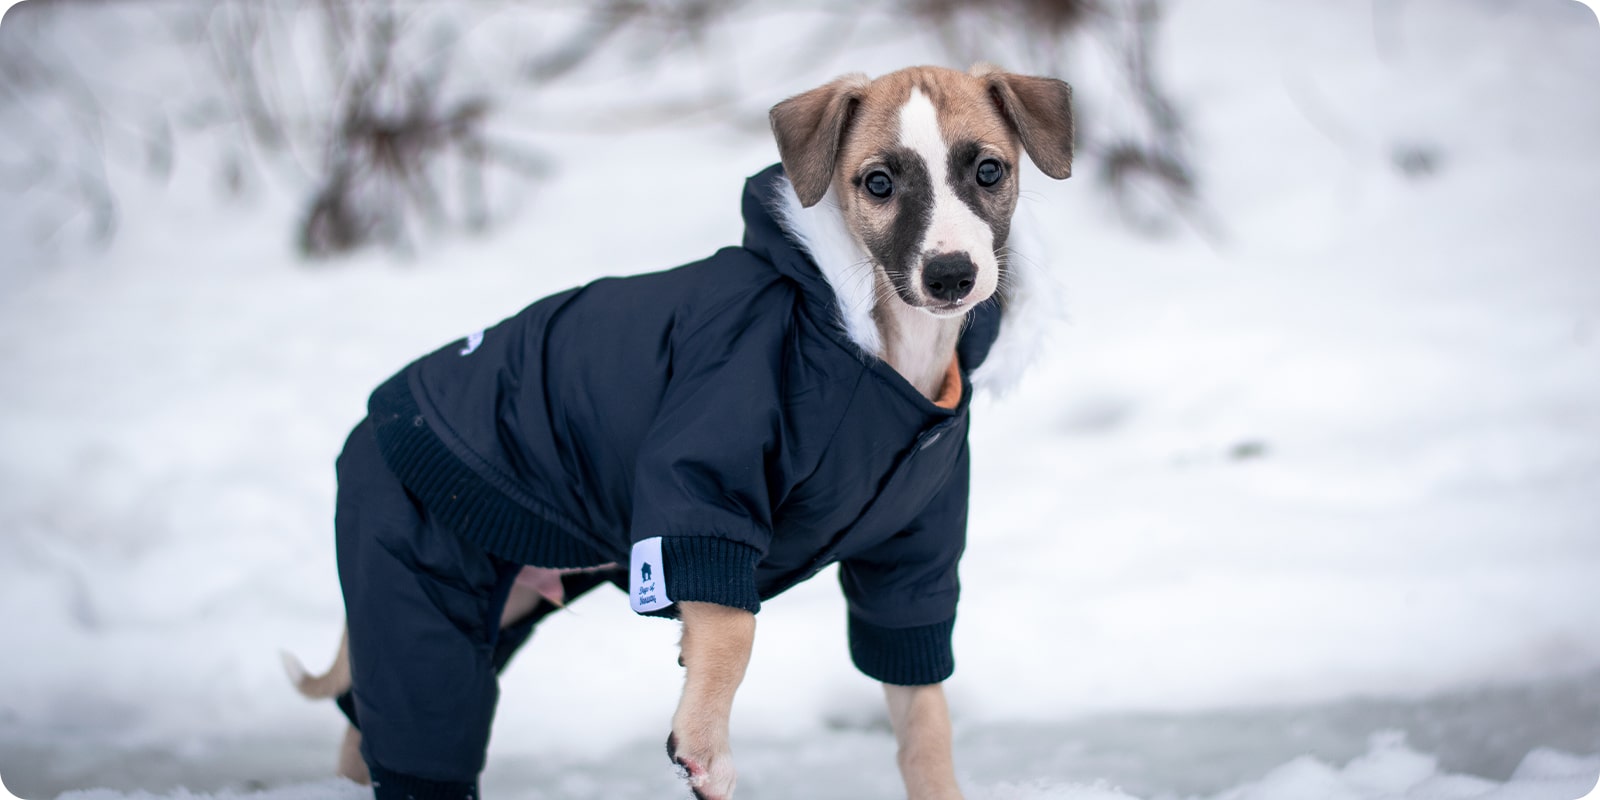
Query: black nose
<point x="949" y="277"/>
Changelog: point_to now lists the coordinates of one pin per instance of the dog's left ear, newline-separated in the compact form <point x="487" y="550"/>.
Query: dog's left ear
<point x="810" y="128"/>
<point x="1040" y="111"/>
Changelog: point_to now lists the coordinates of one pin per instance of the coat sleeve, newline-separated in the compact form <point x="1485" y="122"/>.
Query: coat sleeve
<point x="902" y="593"/>
<point x="708" y="468"/>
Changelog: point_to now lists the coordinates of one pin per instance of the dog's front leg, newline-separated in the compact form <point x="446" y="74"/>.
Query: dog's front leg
<point x="921" y="722"/>
<point x="716" y="650"/>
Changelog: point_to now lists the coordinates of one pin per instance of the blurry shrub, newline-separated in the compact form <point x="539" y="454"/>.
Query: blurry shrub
<point x="388" y="121"/>
<point x="1415" y="160"/>
<point x="401" y="120"/>
<point x="384" y="137"/>
<point x="1149" y="186"/>
<point x="60" y="129"/>
<point x="1047" y="20"/>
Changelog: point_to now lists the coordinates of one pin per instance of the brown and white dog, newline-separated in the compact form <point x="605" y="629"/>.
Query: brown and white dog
<point x="904" y="190"/>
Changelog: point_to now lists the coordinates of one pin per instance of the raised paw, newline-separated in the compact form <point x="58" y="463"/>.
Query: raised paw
<point x="709" y="774"/>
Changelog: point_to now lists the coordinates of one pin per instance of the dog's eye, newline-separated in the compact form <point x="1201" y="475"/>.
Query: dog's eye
<point x="879" y="184"/>
<point x="990" y="172"/>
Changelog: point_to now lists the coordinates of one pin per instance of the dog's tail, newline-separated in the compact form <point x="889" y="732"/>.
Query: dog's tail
<point x="332" y="683"/>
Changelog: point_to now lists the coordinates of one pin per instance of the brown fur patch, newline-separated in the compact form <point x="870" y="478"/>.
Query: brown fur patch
<point x="1040" y="110"/>
<point x="809" y="128"/>
<point x="950" y="393"/>
<point x="966" y="112"/>
<point x="825" y="133"/>
<point x="828" y="133"/>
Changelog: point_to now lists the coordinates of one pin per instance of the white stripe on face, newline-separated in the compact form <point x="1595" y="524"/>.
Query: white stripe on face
<point x="954" y="227"/>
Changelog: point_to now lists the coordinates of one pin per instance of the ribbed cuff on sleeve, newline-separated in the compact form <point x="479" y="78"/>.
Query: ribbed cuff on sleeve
<point x="903" y="656"/>
<point x="707" y="569"/>
<point x="387" y="785"/>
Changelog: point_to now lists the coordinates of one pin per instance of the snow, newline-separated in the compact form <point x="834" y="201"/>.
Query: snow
<point x="1300" y="504"/>
<point x="1389" y="770"/>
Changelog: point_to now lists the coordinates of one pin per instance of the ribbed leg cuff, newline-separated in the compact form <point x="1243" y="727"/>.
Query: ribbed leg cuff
<point x="903" y="656"/>
<point x="387" y="785"/>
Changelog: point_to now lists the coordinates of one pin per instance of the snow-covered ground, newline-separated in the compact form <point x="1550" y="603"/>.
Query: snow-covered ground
<point x="1304" y="507"/>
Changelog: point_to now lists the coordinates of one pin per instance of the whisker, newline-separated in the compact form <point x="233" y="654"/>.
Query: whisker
<point x="1022" y="257"/>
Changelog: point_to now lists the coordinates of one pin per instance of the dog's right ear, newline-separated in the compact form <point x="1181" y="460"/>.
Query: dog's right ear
<point x="1040" y="111"/>
<point x="810" y="128"/>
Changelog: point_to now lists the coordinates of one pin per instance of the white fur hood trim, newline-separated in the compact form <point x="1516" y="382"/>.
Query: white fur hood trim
<point x="820" y="231"/>
<point x="1033" y="295"/>
<point x="1034" y="303"/>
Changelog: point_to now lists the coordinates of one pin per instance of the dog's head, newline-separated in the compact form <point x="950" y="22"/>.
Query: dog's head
<point x="923" y="163"/>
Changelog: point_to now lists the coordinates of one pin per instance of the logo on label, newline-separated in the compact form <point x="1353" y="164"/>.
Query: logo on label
<point x="473" y="340"/>
<point x="647" y="591"/>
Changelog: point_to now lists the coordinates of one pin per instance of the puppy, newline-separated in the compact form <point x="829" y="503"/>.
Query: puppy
<point x="707" y="437"/>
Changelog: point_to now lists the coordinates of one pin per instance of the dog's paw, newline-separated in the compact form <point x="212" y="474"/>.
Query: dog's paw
<point x="710" y="774"/>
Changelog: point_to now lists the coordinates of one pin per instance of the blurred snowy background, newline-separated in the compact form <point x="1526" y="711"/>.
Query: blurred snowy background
<point x="1303" y="504"/>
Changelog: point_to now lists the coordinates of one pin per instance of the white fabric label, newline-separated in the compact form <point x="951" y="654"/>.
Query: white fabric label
<point x="647" y="586"/>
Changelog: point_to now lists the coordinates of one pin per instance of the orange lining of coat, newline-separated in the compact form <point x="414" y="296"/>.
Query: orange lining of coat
<point x="950" y="393"/>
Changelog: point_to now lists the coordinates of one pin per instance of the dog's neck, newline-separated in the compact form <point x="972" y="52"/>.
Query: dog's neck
<point x="918" y="345"/>
<point x="926" y="344"/>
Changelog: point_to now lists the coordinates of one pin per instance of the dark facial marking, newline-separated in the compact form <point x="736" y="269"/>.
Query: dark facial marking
<point x="898" y="246"/>
<point x="994" y="204"/>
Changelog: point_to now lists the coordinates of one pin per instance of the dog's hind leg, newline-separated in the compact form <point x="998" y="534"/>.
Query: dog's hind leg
<point x="351" y="764"/>
<point x="533" y="584"/>
<point x="334" y="682"/>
